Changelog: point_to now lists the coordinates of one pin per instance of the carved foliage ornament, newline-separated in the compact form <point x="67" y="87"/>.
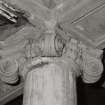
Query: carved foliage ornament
<point x="34" y="48"/>
<point x="29" y="43"/>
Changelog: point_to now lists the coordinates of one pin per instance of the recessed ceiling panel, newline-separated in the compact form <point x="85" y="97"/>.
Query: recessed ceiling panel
<point x="91" y="28"/>
<point x="65" y="7"/>
<point x="74" y="10"/>
<point x="33" y="8"/>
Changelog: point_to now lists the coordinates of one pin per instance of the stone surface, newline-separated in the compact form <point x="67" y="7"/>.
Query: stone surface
<point x="50" y="79"/>
<point x="50" y="84"/>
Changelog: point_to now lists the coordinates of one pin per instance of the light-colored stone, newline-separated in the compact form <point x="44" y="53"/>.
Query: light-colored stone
<point x="50" y="84"/>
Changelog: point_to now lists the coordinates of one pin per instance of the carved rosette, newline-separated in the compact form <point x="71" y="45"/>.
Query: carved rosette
<point x="92" y="65"/>
<point x="9" y="71"/>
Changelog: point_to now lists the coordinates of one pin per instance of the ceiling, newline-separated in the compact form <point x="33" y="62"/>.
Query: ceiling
<point x="83" y="19"/>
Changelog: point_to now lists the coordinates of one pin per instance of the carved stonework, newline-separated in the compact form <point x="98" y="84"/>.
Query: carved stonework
<point x="45" y="55"/>
<point x="50" y="84"/>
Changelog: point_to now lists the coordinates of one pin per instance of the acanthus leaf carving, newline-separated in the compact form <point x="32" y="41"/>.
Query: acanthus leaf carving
<point x="41" y="48"/>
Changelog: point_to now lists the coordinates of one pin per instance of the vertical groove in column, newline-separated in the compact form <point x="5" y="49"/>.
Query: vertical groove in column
<point x="49" y="85"/>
